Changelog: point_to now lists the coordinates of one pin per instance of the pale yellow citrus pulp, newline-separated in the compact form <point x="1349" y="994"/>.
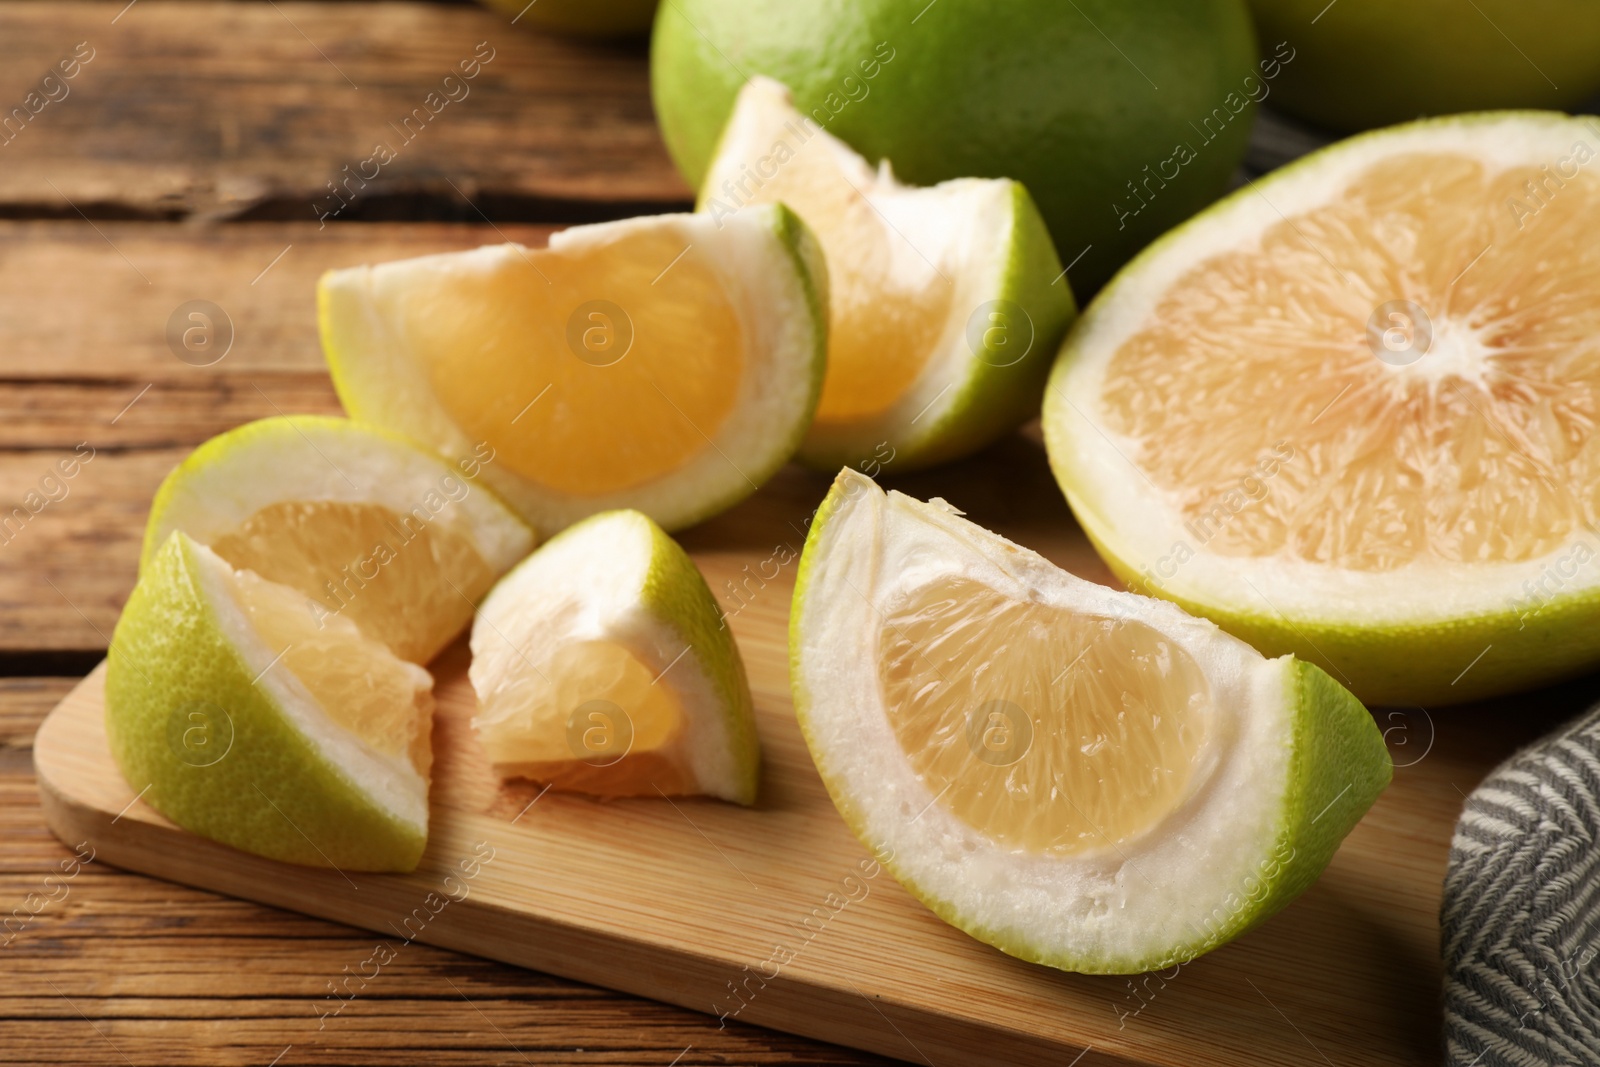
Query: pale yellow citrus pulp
<point x="590" y="718"/>
<point x="403" y="578"/>
<point x="592" y="372"/>
<point x="1044" y="729"/>
<point x="888" y="305"/>
<point x="1407" y="373"/>
<point x="358" y="682"/>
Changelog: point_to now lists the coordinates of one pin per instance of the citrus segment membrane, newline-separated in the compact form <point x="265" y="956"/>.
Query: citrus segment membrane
<point x="1078" y="776"/>
<point x="402" y="581"/>
<point x="589" y="718"/>
<point x="365" y="526"/>
<point x="668" y="363"/>
<point x="358" y="683"/>
<point x="631" y="385"/>
<point x="1044" y="729"/>
<point x="1465" y="435"/>
<point x="908" y="268"/>
<point x="237" y="714"/>
<point x="1358" y="400"/>
<point x="601" y="666"/>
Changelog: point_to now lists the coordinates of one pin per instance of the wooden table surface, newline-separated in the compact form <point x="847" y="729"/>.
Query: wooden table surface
<point x="189" y="158"/>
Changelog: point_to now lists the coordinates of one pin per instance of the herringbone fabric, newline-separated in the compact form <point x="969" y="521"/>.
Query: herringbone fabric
<point x="1521" y="912"/>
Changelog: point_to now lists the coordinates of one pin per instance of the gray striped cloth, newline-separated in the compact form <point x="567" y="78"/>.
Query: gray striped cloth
<point x="1521" y="912"/>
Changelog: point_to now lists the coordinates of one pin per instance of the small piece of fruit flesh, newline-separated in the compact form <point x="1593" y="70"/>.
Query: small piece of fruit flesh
<point x="887" y="304"/>
<point x="361" y="685"/>
<point x="1045" y="730"/>
<point x="591" y="719"/>
<point x="404" y="579"/>
<point x="635" y="341"/>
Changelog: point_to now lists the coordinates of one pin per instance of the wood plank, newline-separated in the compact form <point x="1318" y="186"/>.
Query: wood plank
<point x="1353" y="964"/>
<point x="57" y="415"/>
<point x="98" y="372"/>
<point x="112" y="289"/>
<point x="174" y="975"/>
<point x="70" y="567"/>
<point x="441" y="1034"/>
<point x="24" y="702"/>
<point x="226" y="110"/>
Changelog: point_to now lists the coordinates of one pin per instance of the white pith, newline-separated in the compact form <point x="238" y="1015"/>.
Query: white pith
<point x="391" y="782"/>
<point x="304" y="459"/>
<point x="590" y="586"/>
<point x="1456" y="352"/>
<point x="382" y="381"/>
<point x="1133" y="902"/>
<point x="958" y="233"/>
<point x="1147" y="532"/>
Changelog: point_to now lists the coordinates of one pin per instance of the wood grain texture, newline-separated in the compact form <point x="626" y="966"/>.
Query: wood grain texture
<point x="85" y="361"/>
<point x="194" y="112"/>
<point x="168" y="975"/>
<point x="204" y="111"/>
<point x="92" y="301"/>
<point x="675" y="902"/>
<point x="56" y="415"/>
<point x="230" y="110"/>
<point x="68" y="568"/>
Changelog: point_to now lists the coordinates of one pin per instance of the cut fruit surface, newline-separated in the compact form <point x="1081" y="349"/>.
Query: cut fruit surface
<point x="1084" y="778"/>
<point x="362" y="524"/>
<point x="603" y="666"/>
<point x="1350" y="412"/>
<point x="668" y="363"/>
<point x="241" y="714"/>
<point x="1140" y="708"/>
<point x="946" y="303"/>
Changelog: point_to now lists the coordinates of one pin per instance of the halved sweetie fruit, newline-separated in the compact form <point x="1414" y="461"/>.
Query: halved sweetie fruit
<point x="1081" y="777"/>
<point x="668" y="363"/>
<point x="946" y="303"/>
<point x="1350" y="412"/>
<point x="238" y="714"/>
<point x="602" y="666"/>
<point x="364" y="525"/>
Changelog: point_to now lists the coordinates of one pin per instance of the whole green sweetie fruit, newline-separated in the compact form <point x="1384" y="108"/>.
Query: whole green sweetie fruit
<point x="1121" y="117"/>
<point x="1365" y="63"/>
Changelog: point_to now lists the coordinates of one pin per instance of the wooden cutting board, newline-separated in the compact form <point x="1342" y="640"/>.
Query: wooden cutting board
<point x="778" y="916"/>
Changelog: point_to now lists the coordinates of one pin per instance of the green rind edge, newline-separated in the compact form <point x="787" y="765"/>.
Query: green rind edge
<point x="1338" y="767"/>
<point x="286" y="802"/>
<point x="1424" y="663"/>
<point x="215" y="451"/>
<point x="991" y="401"/>
<point x="996" y="400"/>
<point x="675" y="593"/>
<point x="804" y="255"/>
